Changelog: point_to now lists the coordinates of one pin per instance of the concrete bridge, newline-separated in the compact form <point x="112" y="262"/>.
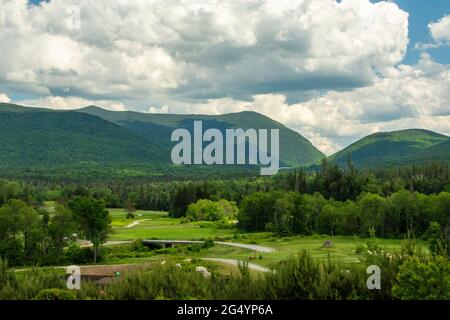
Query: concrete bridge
<point x="170" y="243"/>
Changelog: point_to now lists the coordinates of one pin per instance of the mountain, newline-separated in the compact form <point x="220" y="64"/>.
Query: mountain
<point x="437" y="152"/>
<point x="123" y="143"/>
<point x="35" y="138"/>
<point x="295" y="150"/>
<point x="395" y="148"/>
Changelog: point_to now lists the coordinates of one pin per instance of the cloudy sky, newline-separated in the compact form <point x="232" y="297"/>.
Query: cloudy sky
<point x="334" y="71"/>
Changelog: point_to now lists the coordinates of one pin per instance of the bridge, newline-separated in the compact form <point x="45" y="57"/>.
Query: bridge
<point x="172" y="243"/>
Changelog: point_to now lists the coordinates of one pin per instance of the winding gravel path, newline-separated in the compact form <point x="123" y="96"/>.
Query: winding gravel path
<point x="234" y="262"/>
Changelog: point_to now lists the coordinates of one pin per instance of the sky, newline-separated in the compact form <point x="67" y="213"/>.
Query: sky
<point x="335" y="71"/>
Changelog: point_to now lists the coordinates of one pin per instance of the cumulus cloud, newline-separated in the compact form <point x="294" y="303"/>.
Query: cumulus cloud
<point x="196" y="49"/>
<point x="71" y="103"/>
<point x="440" y="30"/>
<point x="405" y="97"/>
<point x="4" y="98"/>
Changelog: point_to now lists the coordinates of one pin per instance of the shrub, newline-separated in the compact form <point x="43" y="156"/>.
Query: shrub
<point x="426" y="279"/>
<point x="55" y="294"/>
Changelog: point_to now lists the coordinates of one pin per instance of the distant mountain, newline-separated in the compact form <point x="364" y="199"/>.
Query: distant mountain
<point x="395" y="148"/>
<point x="295" y="150"/>
<point x="43" y="139"/>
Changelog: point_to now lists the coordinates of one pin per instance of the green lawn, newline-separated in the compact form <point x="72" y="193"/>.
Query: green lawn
<point x="159" y="225"/>
<point x="343" y="250"/>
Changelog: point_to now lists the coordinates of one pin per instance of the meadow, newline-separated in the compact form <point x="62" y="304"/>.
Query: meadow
<point x="158" y="225"/>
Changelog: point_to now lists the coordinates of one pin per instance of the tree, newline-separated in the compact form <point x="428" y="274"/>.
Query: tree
<point x="61" y="227"/>
<point x="283" y="212"/>
<point x="207" y="210"/>
<point x="94" y="220"/>
<point x="404" y="209"/>
<point x="20" y="232"/>
<point x="329" y="219"/>
<point x="373" y="208"/>
<point x="130" y="208"/>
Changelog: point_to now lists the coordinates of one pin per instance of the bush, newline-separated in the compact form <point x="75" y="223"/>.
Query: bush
<point x="295" y="279"/>
<point x="77" y="255"/>
<point x="423" y="279"/>
<point x="55" y="294"/>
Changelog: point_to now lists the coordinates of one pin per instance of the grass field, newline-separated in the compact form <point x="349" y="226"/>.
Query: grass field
<point x="343" y="250"/>
<point x="157" y="225"/>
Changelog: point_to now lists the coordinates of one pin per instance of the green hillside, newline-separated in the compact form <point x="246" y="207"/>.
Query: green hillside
<point x="394" y="148"/>
<point x="295" y="150"/>
<point x="43" y="139"/>
<point x="97" y="142"/>
<point x="437" y="152"/>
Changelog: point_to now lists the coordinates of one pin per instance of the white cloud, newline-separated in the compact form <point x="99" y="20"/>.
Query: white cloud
<point x="196" y="49"/>
<point x="406" y="97"/>
<point x="71" y="103"/>
<point x="440" y="30"/>
<point x="4" y="98"/>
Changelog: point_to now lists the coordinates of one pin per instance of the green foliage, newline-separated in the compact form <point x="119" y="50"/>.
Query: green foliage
<point x="94" y="220"/>
<point x="163" y="282"/>
<point x="55" y="294"/>
<point x="401" y="214"/>
<point x="20" y="233"/>
<point x="297" y="279"/>
<point x="207" y="210"/>
<point x="423" y="279"/>
<point x="77" y="255"/>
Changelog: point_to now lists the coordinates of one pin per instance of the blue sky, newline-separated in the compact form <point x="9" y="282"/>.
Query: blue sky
<point x="421" y="13"/>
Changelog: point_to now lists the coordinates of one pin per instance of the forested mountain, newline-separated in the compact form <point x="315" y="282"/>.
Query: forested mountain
<point x="395" y="148"/>
<point x="93" y="137"/>
<point x="45" y="139"/>
<point x="295" y="150"/>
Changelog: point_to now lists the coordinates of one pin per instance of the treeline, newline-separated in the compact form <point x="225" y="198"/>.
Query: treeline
<point x="329" y="180"/>
<point x="175" y="196"/>
<point x="397" y="215"/>
<point x="31" y="236"/>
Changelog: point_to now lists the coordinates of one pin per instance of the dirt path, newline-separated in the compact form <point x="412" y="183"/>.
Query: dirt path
<point x="252" y="247"/>
<point x="234" y="262"/>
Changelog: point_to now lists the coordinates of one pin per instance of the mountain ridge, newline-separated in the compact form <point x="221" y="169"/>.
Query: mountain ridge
<point x="152" y="132"/>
